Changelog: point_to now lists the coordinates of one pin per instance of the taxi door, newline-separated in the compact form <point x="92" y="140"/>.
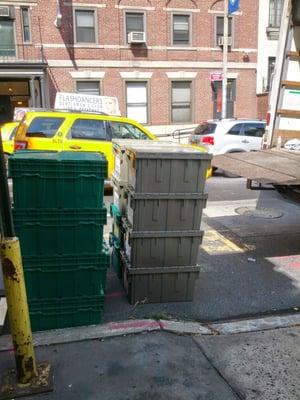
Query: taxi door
<point x="87" y="133"/>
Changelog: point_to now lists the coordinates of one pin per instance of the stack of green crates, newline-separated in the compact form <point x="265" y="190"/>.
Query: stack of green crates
<point x="59" y="218"/>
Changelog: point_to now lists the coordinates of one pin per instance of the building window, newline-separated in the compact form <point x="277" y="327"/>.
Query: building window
<point x="220" y="30"/>
<point x="85" y="26"/>
<point x="271" y="67"/>
<point x="88" y="87"/>
<point x="275" y="13"/>
<point x="26" y="24"/>
<point x="181" y="30"/>
<point x="7" y="38"/>
<point x="134" y="23"/>
<point x="136" y="101"/>
<point x="181" y="102"/>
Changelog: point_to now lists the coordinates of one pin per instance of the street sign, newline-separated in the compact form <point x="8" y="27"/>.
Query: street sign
<point x="233" y="6"/>
<point x="216" y="76"/>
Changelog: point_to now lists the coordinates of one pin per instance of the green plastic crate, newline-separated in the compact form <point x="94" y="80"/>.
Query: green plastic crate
<point x="66" y="276"/>
<point x="58" y="232"/>
<point x="59" y="313"/>
<point x="117" y="235"/>
<point x="68" y="179"/>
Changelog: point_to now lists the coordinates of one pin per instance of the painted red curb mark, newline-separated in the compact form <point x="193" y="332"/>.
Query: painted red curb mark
<point x="115" y="294"/>
<point x="133" y="324"/>
<point x="294" y="265"/>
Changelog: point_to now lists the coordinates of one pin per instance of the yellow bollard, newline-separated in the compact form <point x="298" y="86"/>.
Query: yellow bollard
<point x="14" y="283"/>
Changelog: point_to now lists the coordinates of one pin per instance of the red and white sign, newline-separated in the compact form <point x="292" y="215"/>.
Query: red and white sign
<point x="216" y="76"/>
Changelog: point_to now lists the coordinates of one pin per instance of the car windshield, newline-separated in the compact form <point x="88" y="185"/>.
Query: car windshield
<point x="44" y="127"/>
<point x="205" y="128"/>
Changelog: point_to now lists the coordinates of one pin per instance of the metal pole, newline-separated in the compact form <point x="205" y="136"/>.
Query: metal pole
<point x="225" y="60"/>
<point x="14" y="284"/>
<point x="32" y="92"/>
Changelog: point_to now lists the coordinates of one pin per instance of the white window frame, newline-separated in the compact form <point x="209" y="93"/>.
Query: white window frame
<point x="88" y="80"/>
<point x="135" y="11"/>
<point x="94" y="10"/>
<point x="191" y="101"/>
<point x="184" y="14"/>
<point x="29" y="25"/>
<point x="215" y="31"/>
<point x="275" y="24"/>
<point x="146" y="82"/>
<point x="15" y="56"/>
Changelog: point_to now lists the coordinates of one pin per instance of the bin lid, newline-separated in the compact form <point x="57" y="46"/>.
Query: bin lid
<point x="167" y="151"/>
<point x="62" y="156"/>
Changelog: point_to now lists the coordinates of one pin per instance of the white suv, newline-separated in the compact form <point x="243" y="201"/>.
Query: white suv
<point x="229" y="135"/>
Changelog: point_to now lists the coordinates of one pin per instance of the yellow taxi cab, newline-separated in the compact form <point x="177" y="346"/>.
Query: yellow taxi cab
<point x="76" y="131"/>
<point x="8" y="131"/>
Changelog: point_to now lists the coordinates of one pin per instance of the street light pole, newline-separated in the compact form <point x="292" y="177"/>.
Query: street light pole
<point x="225" y="60"/>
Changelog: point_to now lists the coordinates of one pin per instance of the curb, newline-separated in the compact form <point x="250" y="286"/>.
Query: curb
<point x="129" y="327"/>
<point x="257" y="324"/>
<point x="3" y="311"/>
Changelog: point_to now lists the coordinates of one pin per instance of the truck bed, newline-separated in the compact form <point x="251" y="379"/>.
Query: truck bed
<point x="278" y="167"/>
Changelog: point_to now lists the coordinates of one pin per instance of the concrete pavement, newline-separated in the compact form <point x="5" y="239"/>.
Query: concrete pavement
<point x="156" y="364"/>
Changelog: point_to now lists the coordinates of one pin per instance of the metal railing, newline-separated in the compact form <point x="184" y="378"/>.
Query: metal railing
<point x="21" y="53"/>
<point x="182" y="133"/>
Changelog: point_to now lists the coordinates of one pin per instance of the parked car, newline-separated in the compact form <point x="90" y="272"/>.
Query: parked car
<point x="76" y="131"/>
<point x="229" y="135"/>
<point x="8" y="131"/>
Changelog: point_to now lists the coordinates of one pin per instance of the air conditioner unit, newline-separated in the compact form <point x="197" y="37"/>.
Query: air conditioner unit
<point x="136" y="37"/>
<point x="220" y="41"/>
<point x="4" y="11"/>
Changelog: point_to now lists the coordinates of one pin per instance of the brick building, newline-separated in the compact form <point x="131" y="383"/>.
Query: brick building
<point x="160" y="74"/>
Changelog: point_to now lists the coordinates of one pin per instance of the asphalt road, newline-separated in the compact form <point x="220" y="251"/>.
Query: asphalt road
<point x="250" y="265"/>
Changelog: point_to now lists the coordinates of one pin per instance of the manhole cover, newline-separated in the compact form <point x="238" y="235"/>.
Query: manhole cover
<point x="267" y="213"/>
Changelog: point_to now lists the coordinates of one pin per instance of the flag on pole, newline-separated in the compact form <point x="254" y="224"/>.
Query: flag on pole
<point x="233" y="6"/>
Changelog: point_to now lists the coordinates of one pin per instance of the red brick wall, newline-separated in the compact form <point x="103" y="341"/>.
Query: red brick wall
<point x="59" y="45"/>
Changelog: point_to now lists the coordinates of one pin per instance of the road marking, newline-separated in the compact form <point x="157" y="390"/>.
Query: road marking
<point x="289" y="266"/>
<point x="215" y="243"/>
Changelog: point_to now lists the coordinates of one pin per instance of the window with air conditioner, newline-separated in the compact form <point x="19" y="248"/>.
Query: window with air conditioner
<point x="135" y="27"/>
<point x="181" y="30"/>
<point x="219" y="38"/>
<point x="181" y="103"/>
<point x="137" y="101"/>
<point x="85" y="26"/>
<point x="88" y="87"/>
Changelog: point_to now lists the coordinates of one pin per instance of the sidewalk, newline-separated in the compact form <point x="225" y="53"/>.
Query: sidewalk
<point x="171" y="360"/>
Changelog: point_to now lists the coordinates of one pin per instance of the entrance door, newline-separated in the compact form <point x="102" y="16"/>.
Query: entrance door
<point x="6" y="112"/>
<point x="217" y="98"/>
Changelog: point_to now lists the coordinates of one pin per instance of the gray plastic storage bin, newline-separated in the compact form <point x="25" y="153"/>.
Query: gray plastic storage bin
<point x="155" y="285"/>
<point x="167" y="169"/>
<point x="120" y="194"/>
<point x="119" y="148"/>
<point x="162" y="249"/>
<point x="165" y="212"/>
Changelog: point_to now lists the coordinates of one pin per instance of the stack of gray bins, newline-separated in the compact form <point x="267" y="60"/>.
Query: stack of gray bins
<point x="162" y="208"/>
